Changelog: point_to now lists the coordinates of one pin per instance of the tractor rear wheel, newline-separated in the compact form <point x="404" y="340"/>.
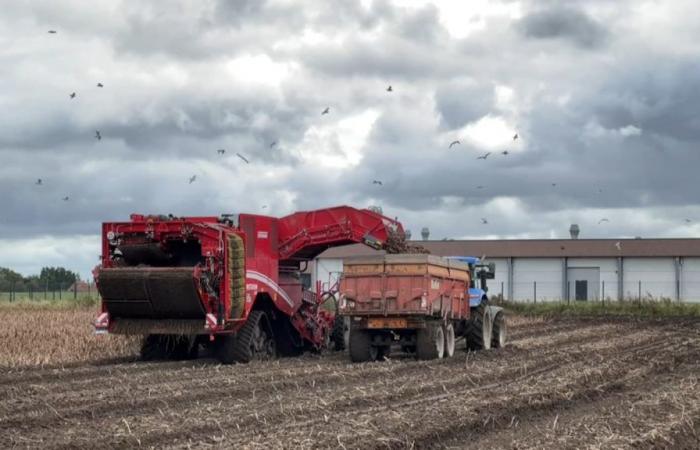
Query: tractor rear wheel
<point x="361" y="348"/>
<point x="449" y="332"/>
<point x="254" y="341"/>
<point x="499" y="331"/>
<point x="479" y="329"/>
<point x="430" y="342"/>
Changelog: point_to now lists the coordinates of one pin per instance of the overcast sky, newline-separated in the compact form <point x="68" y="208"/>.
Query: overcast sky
<point x="604" y="97"/>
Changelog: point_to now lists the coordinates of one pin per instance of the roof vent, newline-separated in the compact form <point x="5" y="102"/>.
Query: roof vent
<point x="574" y="230"/>
<point x="425" y="233"/>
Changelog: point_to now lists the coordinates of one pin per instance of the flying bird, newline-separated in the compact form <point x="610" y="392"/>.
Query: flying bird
<point x="479" y="187"/>
<point x="98" y="136"/>
<point x="39" y="182"/>
<point x="100" y="85"/>
<point x="603" y="220"/>
<point x="455" y="142"/>
<point x="52" y="31"/>
<point x="243" y="158"/>
<point x="515" y="136"/>
<point x="377" y="182"/>
<point x="484" y="221"/>
<point x="193" y="178"/>
<point x="326" y="111"/>
<point x="484" y="156"/>
<point x="505" y="152"/>
<point x="618" y="246"/>
<point x="389" y="89"/>
<point x="264" y="206"/>
<point x="273" y="143"/>
<point x="72" y="95"/>
<point x="221" y="151"/>
<point x="554" y="184"/>
<point x="688" y="220"/>
<point x="66" y="198"/>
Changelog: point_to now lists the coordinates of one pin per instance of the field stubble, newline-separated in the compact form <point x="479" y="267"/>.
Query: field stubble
<point x="593" y="383"/>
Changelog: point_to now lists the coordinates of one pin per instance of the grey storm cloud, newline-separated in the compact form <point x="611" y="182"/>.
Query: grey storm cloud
<point x="614" y="126"/>
<point x="565" y="23"/>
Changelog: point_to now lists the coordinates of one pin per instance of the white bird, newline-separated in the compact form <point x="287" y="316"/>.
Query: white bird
<point x="377" y="182"/>
<point x="484" y="221"/>
<point x="52" y="31"/>
<point x="504" y="153"/>
<point x="221" y="151"/>
<point x="618" y="246"/>
<point x="72" y="95"/>
<point x="603" y="220"/>
<point x="39" y="182"/>
<point x="243" y="158"/>
<point x="326" y="111"/>
<point x="66" y="198"/>
<point x="98" y="136"/>
<point x="273" y="144"/>
<point x="515" y="136"/>
<point x="455" y="142"/>
<point x="100" y="85"/>
<point x="193" y="178"/>
<point x="389" y="89"/>
<point x="688" y="220"/>
<point x="484" y="156"/>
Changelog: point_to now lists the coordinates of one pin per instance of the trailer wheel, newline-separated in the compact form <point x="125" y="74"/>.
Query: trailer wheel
<point x="254" y="341"/>
<point x="430" y="342"/>
<point x="449" y="332"/>
<point x="499" y="331"/>
<point x="479" y="329"/>
<point x="338" y="333"/>
<point x="153" y="347"/>
<point x="361" y="348"/>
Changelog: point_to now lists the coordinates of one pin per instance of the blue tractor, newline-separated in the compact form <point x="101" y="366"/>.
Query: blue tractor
<point x="487" y="327"/>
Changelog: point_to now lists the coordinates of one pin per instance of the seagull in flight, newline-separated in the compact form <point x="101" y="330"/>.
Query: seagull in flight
<point x="39" y="182"/>
<point x="455" y="142"/>
<point x="273" y="144"/>
<point x="479" y="187"/>
<point x="688" y="220"/>
<point x="554" y="184"/>
<point x="603" y="220"/>
<point x="515" y="136"/>
<point x="505" y="152"/>
<point x="618" y="246"/>
<point x="98" y="136"/>
<point x="72" y="95"/>
<point x="66" y="198"/>
<point x="484" y="156"/>
<point x="326" y="111"/>
<point x="52" y="31"/>
<point x="264" y="206"/>
<point x="193" y="178"/>
<point x="100" y="85"/>
<point x="243" y="158"/>
<point x="389" y="89"/>
<point x="377" y="182"/>
<point x="484" y="221"/>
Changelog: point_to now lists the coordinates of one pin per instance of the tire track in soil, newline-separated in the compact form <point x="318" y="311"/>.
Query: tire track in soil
<point x="206" y="430"/>
<point x="203" y="391"/>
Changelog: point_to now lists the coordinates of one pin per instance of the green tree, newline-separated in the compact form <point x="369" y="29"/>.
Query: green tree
<point x="9" y="279"/>
<point x="57" y="278"/>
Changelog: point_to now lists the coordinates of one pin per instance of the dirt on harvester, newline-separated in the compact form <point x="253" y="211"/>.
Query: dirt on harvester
<point x="397" y="243"/>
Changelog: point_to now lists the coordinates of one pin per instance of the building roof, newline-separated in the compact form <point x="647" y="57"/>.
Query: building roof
<point x="541" y="248"/>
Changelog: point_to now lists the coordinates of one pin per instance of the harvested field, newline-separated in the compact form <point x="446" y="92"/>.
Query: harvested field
<point x="560" y="383"/>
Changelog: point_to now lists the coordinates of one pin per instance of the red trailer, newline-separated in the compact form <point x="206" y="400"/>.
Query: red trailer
<point x="420" y="302"/>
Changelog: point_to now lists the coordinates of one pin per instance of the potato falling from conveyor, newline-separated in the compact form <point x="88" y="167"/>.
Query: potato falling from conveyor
<point x="231" y="283"/>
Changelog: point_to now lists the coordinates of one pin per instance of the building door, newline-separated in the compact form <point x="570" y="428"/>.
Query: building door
<point x="581" y="289"/>
<point x="584" y="283"/>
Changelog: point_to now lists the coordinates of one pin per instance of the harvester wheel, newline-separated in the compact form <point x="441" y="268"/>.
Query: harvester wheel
<point x="499" y="331"/>
<point x="479" y="329"/>
<point x="254" y="341"/>
<point x="153" y="347"/>
<point x="449" y="332"/>
<point x="430" y="342"/>
<point x="361" y="348"/>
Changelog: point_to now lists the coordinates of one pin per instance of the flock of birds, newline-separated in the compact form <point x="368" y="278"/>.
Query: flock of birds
<point x="327" y="110"/>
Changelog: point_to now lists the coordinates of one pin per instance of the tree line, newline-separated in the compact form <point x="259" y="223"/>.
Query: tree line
<point x="50" y="278"/>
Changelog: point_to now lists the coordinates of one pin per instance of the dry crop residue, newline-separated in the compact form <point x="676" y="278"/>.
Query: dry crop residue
<point x="560" y="383"/>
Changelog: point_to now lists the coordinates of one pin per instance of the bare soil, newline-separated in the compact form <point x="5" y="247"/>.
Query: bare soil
<point x="575" y="383"/>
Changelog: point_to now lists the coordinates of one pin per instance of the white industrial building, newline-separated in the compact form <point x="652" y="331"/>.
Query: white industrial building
<point x="561" y="269"/>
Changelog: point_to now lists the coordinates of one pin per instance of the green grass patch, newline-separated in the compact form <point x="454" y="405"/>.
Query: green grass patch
<point x="643" y="308"/>
<point x="25" y="302"/>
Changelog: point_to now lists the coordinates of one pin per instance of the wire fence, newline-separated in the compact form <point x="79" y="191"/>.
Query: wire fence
<point x="61" y="291"/>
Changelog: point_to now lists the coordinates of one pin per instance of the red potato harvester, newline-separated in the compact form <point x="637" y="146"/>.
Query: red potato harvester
<point x="231" y="283"/>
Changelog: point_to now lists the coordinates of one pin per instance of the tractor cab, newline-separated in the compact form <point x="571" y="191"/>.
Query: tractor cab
<point x="478" y="271"/>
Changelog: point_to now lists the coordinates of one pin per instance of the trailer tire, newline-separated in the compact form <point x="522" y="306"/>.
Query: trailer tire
<point x="338" y="333"/>
<point x="430" y="342"/>
<point x="449" y="333"/>
<point x="253" y="341"/>
<point x="361" y="348"/>
<point x="153" y="348"/>
<point x="499" y="331"/>
<point x="479" y="329"/>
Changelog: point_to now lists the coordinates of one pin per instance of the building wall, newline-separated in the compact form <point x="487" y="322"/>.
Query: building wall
<point x="657" y="276"/>
<point x="327" y="271"/>
<point x="546" y="272"/>
<point x="499" y="285"/>
<point x="690" y="280"/>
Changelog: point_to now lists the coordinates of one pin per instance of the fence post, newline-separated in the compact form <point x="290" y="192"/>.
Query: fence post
<point x="31" y="292"/>
<point x="535" y="286"/>
<point x="75" y="290"/>
<point x="12" y="292"/>
<point x="46" y="289"/>
<point x="639" y="296"/>
<point x="568" y="293"/>
<point x="602" y="297"/>
<point x="60" y="291"/>
<point x="502" y="298"/>
<point x="88" y="283"/>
